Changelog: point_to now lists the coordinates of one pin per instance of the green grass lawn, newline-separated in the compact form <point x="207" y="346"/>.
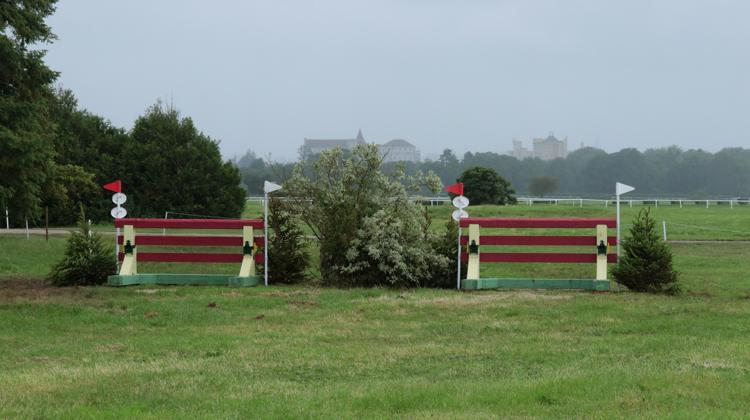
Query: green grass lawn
<point x="301" y="351"/>
<point x="29" y="258"/>
<point x="154" y="352"/>
<point x="692" y="222"/>
<point x="687" y="223"/>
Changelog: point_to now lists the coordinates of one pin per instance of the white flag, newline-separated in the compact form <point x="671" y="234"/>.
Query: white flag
<point x="621" y="189"/>
<point x="269" y="187"/>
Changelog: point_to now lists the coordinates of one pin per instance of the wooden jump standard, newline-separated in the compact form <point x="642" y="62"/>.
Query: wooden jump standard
<point x="599" y="242"/>
<point x="131" y="254"/>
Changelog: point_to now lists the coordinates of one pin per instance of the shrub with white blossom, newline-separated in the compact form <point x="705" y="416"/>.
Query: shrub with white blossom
<point x="370" y="232"/>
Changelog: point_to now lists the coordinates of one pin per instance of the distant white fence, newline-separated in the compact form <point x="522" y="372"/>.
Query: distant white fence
<point x="433" y="201"/>
<point x="656" y="202"/>
<point x="580" y="202"/>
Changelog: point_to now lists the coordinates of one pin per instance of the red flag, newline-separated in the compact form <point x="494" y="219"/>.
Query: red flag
<point x="457" y="188"/>
<point x="115" y="186"/>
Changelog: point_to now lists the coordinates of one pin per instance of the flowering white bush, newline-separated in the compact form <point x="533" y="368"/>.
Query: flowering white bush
<point x="370" y="233"/>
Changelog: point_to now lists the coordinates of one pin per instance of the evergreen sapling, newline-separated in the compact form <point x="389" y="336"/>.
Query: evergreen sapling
<point x="287" y="245"/>
<point x="87" y="261"/>
<point x="646" y="263"/>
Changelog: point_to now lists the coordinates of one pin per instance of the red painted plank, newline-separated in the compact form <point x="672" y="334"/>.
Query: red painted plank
<point x="190" y="240"/>
<point x="190" y="223"/>
<point x="538" y="257"/>
<point x="527" y="222"/>
<point x="539" y="240"/>
<point x="184" y="257"/>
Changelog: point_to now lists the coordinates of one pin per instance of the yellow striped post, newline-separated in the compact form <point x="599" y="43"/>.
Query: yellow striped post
<point x="601" y="259"/>
<point x="248" y="260"/>
<point x="129" y="265"/>
<point x="472" y="270"/>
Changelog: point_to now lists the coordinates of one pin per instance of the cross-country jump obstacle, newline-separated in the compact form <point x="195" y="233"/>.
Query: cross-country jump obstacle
<point x="599" y="242"/>
<point x="131" y="251"/>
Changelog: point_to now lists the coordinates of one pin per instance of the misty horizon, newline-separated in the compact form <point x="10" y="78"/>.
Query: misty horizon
<point x="468" y="76"/>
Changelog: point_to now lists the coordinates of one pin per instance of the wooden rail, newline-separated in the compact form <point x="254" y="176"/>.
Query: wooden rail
<point x="600" y="243"/>
<point x="131" y="244"/>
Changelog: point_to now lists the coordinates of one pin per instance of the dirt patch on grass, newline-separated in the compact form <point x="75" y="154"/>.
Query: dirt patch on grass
<point x="154" y="291"/>
<point x="702" y="294"/>
<point x="715" y="364"/>
<point x="543" y="295"/>
<point x="111" y="347"/>
<point x="38" y="289"/>
<point x="474" y="298"/>
<point x="291" y="293"/>
<point x="302" y="303"/>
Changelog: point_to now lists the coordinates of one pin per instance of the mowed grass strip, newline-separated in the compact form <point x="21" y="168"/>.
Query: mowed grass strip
<point x="282" y="351"/>
<point x="303" y="351"/>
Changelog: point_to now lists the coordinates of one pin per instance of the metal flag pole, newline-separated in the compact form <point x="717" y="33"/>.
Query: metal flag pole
<point x="620" y="189"/>
<point x="265" y="238"/>
<point x="268" y="187"/>
<point x="460" y="203"/>
<point x="618" y="227"/>
<point x="117" y="249"/>
<point x="458" y="257"/>
<point x="118" y="212"/>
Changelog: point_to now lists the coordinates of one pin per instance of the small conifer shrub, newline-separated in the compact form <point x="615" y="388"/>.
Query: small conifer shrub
<point x="646" y="261"/>
<point x="87" y="261"/>
<point x="286" y="243"/>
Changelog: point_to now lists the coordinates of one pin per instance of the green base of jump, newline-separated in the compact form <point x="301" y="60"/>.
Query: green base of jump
<point x="184" y="279"/>
<point x="584" y="284"/>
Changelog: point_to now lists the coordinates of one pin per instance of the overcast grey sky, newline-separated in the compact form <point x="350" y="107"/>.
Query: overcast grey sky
<point x="466" y="75"/>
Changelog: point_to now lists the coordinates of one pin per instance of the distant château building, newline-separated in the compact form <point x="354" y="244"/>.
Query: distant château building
<point x="396" y="150"/>
<point x="315" y="146"/>
<point x="519" y="152"/>
<point x="543" y="148"/>
<point x="399" y="150"/>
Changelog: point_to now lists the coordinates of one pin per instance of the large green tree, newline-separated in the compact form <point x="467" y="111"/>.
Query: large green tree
<point x="90" y="143"/>
<point x="542" y="185"/>
<point x="485" y="186"/>
<point x="69" y="189"/>
<point x="256" y="170"/>
<point x="628" y="165"/>
<point x="84" y="139"/>
<point x="171" y="166"/>
<point x="26" y="150"/>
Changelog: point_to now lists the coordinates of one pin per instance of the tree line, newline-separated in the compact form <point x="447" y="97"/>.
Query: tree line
<point x="586" y="172"/>
<point x="593" y="172"/>
<point x="56" y="155"/>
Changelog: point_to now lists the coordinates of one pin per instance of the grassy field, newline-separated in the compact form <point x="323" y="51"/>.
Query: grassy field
<point x="155" y="352"/>
<point x="692" y="222"/>
<point x="687" y="223"/>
